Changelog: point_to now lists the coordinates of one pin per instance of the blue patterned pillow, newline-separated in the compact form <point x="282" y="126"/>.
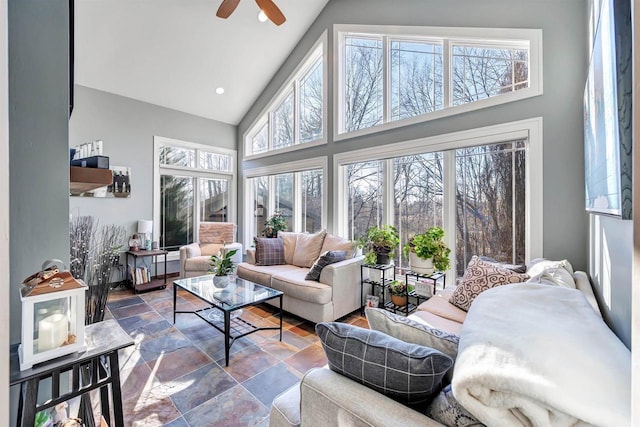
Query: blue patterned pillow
<point x="408" y="373"/>
<point x="269" y="251"/>
<point x="329" y="257"/>
<point x="446" y="410"/>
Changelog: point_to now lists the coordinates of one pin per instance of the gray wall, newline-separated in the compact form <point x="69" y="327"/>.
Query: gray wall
<point x="38" y="139"/>
<point x="564" y="25"/>
<point x="127" y="128"/>
<point x="38" y="154"/>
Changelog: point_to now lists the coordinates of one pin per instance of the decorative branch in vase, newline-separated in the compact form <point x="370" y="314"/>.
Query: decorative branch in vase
<point x="94" y="253"/>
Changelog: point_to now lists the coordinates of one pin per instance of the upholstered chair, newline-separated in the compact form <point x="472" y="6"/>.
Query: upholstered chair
<point x="212" y="236"/>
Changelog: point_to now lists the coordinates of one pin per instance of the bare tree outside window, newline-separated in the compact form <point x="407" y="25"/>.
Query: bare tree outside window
<point x="311" y="200"/>
<point x="311" y="104"/>
<point x="418" y="198"/>
<point x="364" y="182"/>
<point x="363" y="98"/>
<point x="416" y="78"/>
<point x="176" y="211"/>
<point x="260" y="141"/>
<point x="483" y="72"/>
<point x="490" y="203"/>
<point x="283" y="124"/>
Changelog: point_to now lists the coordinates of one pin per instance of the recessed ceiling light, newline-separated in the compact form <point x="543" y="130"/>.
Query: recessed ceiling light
<point x="262" y="17"/>
<point x="220" y="90"/>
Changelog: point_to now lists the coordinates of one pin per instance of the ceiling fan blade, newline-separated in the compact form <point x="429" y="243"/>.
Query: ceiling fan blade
<point x="272" y="11"/>
<point x="226" y="8"/>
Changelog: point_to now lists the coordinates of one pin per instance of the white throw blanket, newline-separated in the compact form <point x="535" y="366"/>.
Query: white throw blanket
<point x="538" y="355"/>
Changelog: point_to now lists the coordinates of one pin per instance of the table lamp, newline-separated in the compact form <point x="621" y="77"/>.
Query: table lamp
<point x="145" y="227"/>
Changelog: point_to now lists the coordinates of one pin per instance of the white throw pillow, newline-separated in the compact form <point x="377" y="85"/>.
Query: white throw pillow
<point x="559" y="273"/>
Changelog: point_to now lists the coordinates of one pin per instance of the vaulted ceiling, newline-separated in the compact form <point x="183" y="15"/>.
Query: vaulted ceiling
<point x="176" y="53"/>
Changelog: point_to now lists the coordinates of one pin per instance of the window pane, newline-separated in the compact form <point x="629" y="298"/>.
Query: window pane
<point x="416" y="78"/>
<point x="260" y="204"/>
<point x="216" y="162"/>
<point x="490" y="203"/>
<point x="177" y="156"/>
<point x="363" y="83"/>
<point x="260" y="142"/>
<point x="214" y="199"/>
<point x="364" y="183"/>
<point x="482" y="72"/>
<point x="283" y="124"/>
<point x="284" y="196"/>
<point x="418" y="198"/>
<point x="176" y="211"/>
<point x="311" y="104"/>
<point x="312" y="200"/>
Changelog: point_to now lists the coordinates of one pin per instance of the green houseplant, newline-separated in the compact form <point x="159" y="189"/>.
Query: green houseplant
<point x="399" y="290"/>
<point x="379" y="241"/>
<point x="275" y="223"/>
<point x="427" y="251"/>
<point x="222" y="266"/>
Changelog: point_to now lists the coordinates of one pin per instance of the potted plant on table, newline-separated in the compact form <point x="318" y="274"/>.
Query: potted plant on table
<point x="275" y="223"/>
<point x="398" y="290"/>
<point x="222" y="266"/>
<point x="379" y="242"/>
<point x="427" y="251"/>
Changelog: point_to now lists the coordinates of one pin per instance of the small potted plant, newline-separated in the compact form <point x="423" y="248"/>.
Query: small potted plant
<point x="275" y="223"/>
<point x="398" y="290"/>
<point x="222" y="266"/>
<point x="379" y="241"/>
<point x="427" y="251"/>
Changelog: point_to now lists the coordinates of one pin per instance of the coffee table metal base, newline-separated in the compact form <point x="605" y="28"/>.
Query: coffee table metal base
<point x="232" y="328"/>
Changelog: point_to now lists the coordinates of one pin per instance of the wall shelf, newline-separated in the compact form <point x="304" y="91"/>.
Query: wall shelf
<point x="87" y="179"/>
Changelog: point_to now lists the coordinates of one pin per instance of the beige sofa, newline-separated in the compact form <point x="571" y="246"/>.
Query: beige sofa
<point x="335" y="295"/>
<point x="324" y="397"/>
<point x="195" y="259"/>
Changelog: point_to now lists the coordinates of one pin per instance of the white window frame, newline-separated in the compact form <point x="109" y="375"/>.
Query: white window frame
<point x="297" y="166"/>
<point x="529" y="129"/>
<point x="158" y="169"/>
<point x="292" y="84"/>
<point x="502" y="37"/>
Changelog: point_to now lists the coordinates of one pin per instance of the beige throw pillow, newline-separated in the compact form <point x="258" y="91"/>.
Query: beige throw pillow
<point x="308" y="248"/>
<point x="289" y="239"/>
<point x="480" y="276"/>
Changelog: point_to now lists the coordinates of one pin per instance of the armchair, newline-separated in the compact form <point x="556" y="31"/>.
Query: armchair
<point x="194" y="258"/>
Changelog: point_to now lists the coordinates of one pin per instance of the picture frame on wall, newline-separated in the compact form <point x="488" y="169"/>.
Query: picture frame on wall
<point x="607" y="114"/>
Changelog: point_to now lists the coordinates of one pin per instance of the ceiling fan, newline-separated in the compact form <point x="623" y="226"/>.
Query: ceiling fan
<point x="267" y="6"/>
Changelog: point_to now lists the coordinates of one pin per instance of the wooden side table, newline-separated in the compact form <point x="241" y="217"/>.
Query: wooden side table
<point x="96" y="368"/>
<point x="141" y="254"/>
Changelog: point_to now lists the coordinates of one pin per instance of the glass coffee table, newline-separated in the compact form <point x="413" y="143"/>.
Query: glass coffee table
<point x="226" y="305"/>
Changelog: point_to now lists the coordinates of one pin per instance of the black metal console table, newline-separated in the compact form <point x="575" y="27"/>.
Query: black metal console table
<point x="96" y="368"/>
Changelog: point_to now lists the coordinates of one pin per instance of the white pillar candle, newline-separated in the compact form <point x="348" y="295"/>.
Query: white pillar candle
<point x="53" y="331"/>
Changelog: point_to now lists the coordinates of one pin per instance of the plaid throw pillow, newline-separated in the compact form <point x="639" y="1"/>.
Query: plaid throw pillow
<point x="408" y="373"/>
<point x="269" y="251"/>
<point x="480" y="276"/>
<point x="329" y="257"/>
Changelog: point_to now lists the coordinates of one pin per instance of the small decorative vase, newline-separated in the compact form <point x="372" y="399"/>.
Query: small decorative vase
<point x="399" y="300"/>
<point x="420" y="265"/>
<point x="220" y="282"/>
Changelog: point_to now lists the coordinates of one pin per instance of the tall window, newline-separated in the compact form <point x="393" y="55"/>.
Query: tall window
<point x="296" y="190"/>
<point x="386" y="75"/>
<point x="481" y="195"/>
<point x="192" y="185"/>
<point x="490" y="202"/>
<point x="296" y="116"/>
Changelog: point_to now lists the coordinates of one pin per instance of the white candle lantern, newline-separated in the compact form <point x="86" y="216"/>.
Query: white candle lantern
<point x="52" y="320"/>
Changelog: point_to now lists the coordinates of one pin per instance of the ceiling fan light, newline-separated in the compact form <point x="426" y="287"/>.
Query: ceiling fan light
<point x="262" y="17"/>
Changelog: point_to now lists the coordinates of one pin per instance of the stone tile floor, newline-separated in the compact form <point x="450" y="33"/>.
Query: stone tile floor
<point x="175" y="375"/>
